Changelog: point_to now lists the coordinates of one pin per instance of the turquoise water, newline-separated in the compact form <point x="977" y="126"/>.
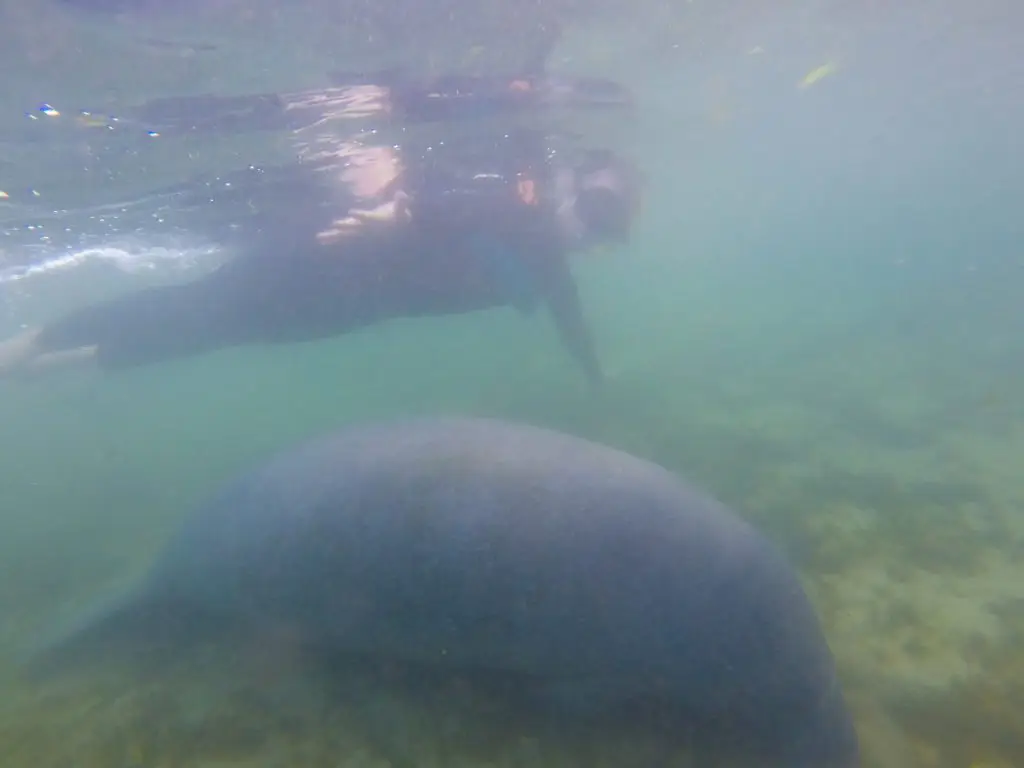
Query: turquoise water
<point x="818" y="321"/>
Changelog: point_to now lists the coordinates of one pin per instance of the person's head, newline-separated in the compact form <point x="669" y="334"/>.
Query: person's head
<point x="602" y="199"/>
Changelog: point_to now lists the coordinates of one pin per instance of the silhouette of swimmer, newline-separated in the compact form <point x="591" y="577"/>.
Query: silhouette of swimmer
<point x="357" y="234"/>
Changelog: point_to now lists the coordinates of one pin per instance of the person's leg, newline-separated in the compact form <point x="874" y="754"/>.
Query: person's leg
<point x="247" y="301"/>
<point x="148" y="326"/>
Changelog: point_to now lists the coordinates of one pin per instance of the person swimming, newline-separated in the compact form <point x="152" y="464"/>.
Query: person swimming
<point x="358" y="233"/>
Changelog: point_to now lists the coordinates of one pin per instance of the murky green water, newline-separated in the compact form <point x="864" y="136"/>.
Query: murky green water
<point x="819" y="322"/>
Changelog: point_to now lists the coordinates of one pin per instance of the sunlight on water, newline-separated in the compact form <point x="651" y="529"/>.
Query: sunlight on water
<point x="132" y="260"/>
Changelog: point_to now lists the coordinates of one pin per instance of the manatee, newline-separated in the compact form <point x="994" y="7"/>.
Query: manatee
<point x="459" y="543"/>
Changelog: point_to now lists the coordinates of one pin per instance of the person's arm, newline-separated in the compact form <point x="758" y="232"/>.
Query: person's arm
<point x="567" y="312"/>
<point x="372" y="176"/>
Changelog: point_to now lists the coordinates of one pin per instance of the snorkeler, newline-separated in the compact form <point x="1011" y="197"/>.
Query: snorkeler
<point x="386" y="96"/>
<point x="358" y="234"/>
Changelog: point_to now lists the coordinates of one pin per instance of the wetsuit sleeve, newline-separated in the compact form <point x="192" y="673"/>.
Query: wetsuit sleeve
<point x="567" y="313"/>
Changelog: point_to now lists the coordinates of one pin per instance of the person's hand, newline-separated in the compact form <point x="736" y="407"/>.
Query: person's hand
<point x="369" y="170"/>
<point x="393" y="211"/>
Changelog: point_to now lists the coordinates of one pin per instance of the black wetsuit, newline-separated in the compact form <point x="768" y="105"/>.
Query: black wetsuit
<point x="481" y="234"/>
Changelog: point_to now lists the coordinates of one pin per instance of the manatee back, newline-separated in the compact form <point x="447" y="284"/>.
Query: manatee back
<point x="521" y="547"/>
<point x="480" y="543"/>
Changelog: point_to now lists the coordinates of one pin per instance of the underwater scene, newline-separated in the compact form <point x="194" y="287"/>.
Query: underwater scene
<point x="774" y="248"/>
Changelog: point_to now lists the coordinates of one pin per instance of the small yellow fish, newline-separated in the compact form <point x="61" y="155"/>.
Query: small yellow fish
<point x="817" y="74"/>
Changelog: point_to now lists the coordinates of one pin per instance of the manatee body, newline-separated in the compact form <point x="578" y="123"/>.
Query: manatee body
<point x="475" y="543"/>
